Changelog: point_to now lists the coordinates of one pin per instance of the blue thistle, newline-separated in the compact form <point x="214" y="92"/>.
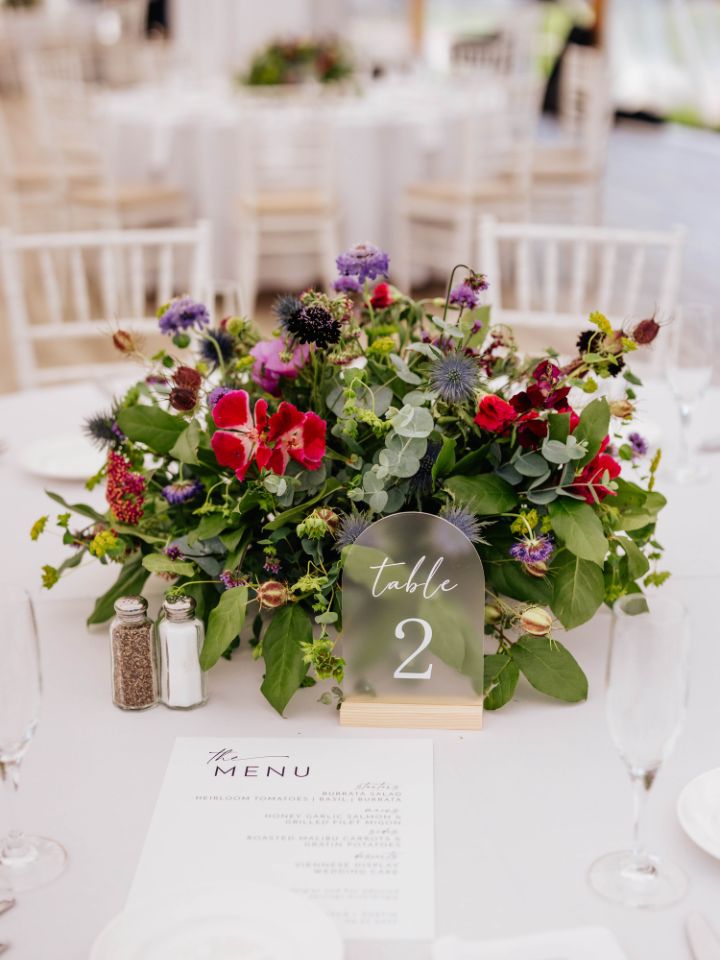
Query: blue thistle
<point x="350" y="528"/>
<point x="454" y="377"/>
<point x="465" y="522"/>
<point x="217" y="345"/>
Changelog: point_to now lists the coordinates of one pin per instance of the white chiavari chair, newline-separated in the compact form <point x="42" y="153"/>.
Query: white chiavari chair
<point x="62" y="290"/>
<point x="287" y="207"/>
<point x="551" y="277"/>
<point x="438" y="218"/>
<point x="568" y="175"/>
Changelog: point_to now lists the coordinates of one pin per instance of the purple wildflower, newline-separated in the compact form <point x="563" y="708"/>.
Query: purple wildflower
<point x="638" y="444"/>
<point x="533" y="549"/>
<point x="215" y="395"/>
<point x="272" y="565"/>
<point x="183" y="313"/>
<point x="180" y="491"/>
<point x="173" y="552"/>
<point x="232" y="578"/>
<point x="364" y="261"/>
<point x="463" y="296"/>
<point x="347" y="284"/>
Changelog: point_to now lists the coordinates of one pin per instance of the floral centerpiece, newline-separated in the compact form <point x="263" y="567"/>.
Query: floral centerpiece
<point x="298" y="61"/>
<point x="242" y="475"/>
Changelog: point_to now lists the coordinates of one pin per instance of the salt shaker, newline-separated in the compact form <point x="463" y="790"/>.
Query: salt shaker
<point x="183" y="683"/>
<point x="132" y="649"/>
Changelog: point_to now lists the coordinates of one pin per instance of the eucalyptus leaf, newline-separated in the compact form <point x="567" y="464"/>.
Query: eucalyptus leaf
<point x="542" y="497"/>
<point x="413" y="422"/>
<point x="403" y="370"/>
<point x="530" y="465"/>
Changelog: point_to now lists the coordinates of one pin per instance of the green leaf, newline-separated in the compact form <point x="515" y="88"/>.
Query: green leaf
<point x="501" y="677"/>
<point x="530" y="465"/>
<point x="559" y="426"/>
<point x="403" y="370"/>
<point x="508" y="577"/>
<point x="284" y="666"/>
<point x="413" y="421"/>
<point x="302" y="508"/>
<point x="445" y="460"/>
<point x="186" y="446"/>
<point x="593" y="427"/>
<point x="210" y="526"/>
<point x="130" y="582"/>
<point x="152" y="426"/>
<point x="579" y="527"/>
<point x="550" y="668"/>
<point x="483" y="495"/>
<point x="637" y="563"/>
<point x="578" y="589"/>
<point x="83" y="509"/>
<point x="159" y="563"/>
<point x="224" y="624"/>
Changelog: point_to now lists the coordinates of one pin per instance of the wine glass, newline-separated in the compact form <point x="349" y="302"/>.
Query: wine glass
<point x="689" y="373"/>
<point x="25" y="861"/>
<point x="645" y="706"/>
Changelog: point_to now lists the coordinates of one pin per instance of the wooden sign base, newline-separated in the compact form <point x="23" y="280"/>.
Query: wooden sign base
<point x="451" y="713"/>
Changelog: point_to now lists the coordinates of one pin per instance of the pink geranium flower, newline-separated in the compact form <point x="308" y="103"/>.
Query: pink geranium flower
<point x="270" y="364"/>
<point x="244" y="438"/>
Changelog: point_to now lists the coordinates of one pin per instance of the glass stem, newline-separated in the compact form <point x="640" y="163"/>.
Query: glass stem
<point x="685" y="422"/>
<point x="14" y="847"/>
<point x="642" y="780"/>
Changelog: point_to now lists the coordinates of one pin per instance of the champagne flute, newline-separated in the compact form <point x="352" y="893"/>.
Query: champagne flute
<point x="26" y="861"/>
<point x="645" y="706"/>
<point x="689" y="373"/>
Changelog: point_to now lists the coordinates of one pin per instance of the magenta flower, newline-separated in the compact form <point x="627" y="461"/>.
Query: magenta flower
<point x="273" y="360"/>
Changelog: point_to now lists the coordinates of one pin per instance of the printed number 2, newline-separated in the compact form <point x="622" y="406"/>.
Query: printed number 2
<point x="401" y="673"/>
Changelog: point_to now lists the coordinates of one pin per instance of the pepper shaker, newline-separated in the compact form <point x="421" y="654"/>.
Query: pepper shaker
<point x="133" y="655"/>
<point x="183" y="683"/>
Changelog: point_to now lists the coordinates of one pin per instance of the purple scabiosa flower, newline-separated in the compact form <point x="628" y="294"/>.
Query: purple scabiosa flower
<point x="533" y="549"/>
<point x="463" y="296"/>
<point x="215" y="395"/>
<point x="232" y="578"/>
<point x="180" y="491"/>
<point x="350" y="528"/>
<point x="364" y="261"/>
<point x="314" y="324"/>
<point x="347" y="284"/>
<point x="465" y="522"/>
<point x="454" y="377"/>
<point x="183" y="313"/>
<point x="217" y="346"/>
<point x="173" y="552"/>
<point x="638" y="444"/>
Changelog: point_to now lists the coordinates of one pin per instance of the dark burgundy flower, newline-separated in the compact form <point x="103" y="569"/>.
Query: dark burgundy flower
<point x="187" y="378"/>
<point x="183" y="399"/>
<point x="531" y="430"/>
<point x="646" y="331"/>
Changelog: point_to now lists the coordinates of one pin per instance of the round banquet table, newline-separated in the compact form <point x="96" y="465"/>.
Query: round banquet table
<point x="521" y="808"/>
<point x="398" y="131"/>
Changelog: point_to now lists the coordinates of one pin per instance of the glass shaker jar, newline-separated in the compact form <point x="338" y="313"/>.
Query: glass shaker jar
<point x="183" y="684"/>
<point x="133" y="655"/>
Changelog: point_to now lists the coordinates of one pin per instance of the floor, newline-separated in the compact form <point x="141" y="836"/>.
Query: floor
<point x="657" y="176"/>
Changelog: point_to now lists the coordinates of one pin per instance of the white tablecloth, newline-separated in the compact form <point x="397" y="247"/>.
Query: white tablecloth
<point x="398" y="131"/>
<point x="522" y="808"/>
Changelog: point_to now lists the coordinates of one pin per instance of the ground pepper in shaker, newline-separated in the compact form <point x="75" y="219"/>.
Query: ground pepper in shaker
<point x="132" y="649"/>
<point x="183" y="683"/>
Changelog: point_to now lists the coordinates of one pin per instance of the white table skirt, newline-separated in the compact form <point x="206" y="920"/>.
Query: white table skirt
<point x="397" y="133"/>
<point x="522" y="808"/>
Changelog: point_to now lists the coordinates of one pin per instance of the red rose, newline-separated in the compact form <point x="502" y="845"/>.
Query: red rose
<point x="495" y="414"/>
<point x="593" y="472"/>
<point x="381" y="297"/>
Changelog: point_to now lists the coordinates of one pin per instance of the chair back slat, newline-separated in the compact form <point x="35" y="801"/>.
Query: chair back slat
<point x="88" y="281"/>
<point x="550" y="286"/>
<point x="522" y="275"/>
<point x="579" y="273"/>
<point x="632" y="292"/>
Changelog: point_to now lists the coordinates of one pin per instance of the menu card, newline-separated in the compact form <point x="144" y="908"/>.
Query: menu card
<point x="346" y="822"/>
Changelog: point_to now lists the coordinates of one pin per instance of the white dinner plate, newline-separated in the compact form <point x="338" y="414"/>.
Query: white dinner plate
<point x="65" y="457"/>
<point x="247" y="922"/>
<point x="698" y="809"/>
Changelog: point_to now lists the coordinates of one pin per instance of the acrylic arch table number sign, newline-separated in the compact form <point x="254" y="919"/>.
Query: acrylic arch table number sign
<point x="413" y="597"/>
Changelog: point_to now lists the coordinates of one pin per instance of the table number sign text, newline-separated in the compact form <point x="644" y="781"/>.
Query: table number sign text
<point x="413" y="615"/>
<point x="347" y="823"/>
